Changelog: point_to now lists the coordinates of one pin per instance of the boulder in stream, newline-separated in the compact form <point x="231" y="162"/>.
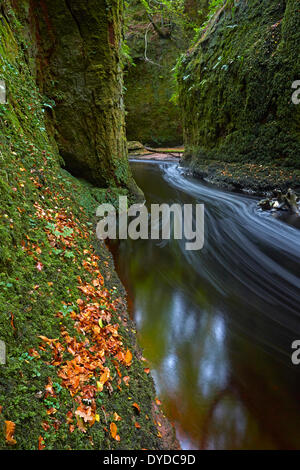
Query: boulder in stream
<point x="284" y="202"/>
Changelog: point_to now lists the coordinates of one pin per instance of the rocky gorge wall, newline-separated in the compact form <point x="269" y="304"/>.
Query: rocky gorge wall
<point x="152" y="113"/>
<point x="151" y="117"/>
<point x="72" y="361"/>
<point x="75" y="54"/>
<point x="236" y="86"/>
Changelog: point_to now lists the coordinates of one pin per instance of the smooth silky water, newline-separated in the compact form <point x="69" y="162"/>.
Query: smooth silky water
<point x="217" y="325"/>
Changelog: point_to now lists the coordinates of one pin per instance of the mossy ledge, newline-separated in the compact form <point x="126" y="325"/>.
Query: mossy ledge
<point x="236" y="88"/>
<point x="48" y="257"/>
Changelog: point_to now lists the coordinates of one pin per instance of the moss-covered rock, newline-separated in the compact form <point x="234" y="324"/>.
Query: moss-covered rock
<point x="75" y="52"/>
<point x="152" y="118"/>
<point x="153" y="115"/>
<point x="236" y="85"/>
<point x="47" y="252"/>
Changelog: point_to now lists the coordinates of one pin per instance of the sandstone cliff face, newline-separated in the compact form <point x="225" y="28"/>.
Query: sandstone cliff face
<point x="236" y="85"/>
<point x="76" y="50"/>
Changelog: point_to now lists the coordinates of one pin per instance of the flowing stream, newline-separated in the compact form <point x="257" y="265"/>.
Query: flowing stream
<point x="217" y="325"/>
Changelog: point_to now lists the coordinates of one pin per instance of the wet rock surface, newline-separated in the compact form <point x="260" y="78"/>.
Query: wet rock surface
<point x="281" y="202"/>
<point x="236" y="86"/>
<point x="75" y="51"/>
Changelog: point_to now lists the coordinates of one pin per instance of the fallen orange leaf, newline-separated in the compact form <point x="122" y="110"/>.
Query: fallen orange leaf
<point x="136" y="406"/>
<point x="39" y="266"/>
<point x="12" y="321"/>
<point x="99" y="386"/>
<point x="45" y="426"/>
<point x="41" y="443"/>
<point x="113" y="430"/>
<point x="117" y="417"/>
<point x="126" y="380"/>
<point x="104" y="377"/>
<point x="128" y="357"/>
<point x="33" y="353"/>
<point x="9" y="433"/>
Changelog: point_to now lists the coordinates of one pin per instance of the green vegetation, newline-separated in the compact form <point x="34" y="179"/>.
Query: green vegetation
<point x="75" y="52"/>
<point x="49" y="261"/>
<point x="151" y="117"/>
<point x="60" y="300"/>
<point x="235" y="86"/>
<point x="157" y="34"/>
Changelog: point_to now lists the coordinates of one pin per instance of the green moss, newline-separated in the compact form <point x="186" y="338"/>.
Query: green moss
<point x="152" y="118"/>
<point x="77" y="63"/>
<point x="235" y="86"/>
<point x="37" y="281"/>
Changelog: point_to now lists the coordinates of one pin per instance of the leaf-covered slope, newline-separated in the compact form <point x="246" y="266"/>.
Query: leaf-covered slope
<point x="72" y="374"/>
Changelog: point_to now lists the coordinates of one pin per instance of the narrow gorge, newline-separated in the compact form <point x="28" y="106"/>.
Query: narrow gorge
<point x="135" y="340"/>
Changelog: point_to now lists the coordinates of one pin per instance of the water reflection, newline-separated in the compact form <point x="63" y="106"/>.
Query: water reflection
<point x="217" y="325"/>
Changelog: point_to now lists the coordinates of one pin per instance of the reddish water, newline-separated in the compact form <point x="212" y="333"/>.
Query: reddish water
<point x="217" y="325"/>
